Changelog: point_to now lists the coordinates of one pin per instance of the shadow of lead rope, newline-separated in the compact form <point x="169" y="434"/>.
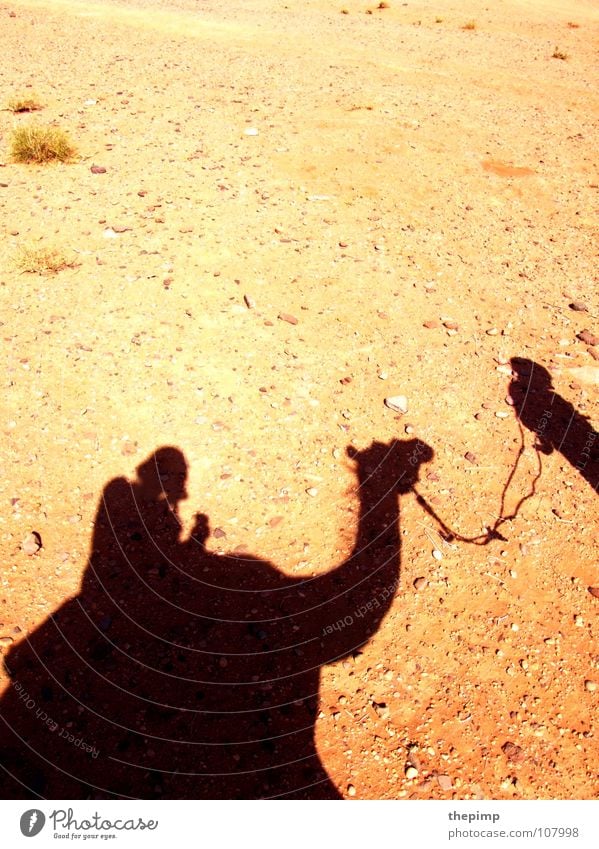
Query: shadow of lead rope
<point x="491" y="532"/>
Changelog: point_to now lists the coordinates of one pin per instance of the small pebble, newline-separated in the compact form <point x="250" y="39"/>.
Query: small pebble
<point x="312" y="491"/>
<point x="351" y="790"/>
<point x="501" y="414"/>
<point x="512" y="752"/>
<point x="249" y="302"/>
<point x="444" y="782"/>
<point x="437" y="554"/>
<point x="411" y="773"/>
<point x="590" y="686"/>
<point x="594" y="591"/>
<point x="420" y="583"/>
<point x="579" y="306"/>
<point x="32" y="543"/>
<point x="588" y="338"/>
<point x="397" y="403"/>
<point x="470" y="457"/>
<point x="451" y="325"/>
<point x="492" y="331"/>
<point x="98" y="169"/>
<point x="290" y="319"/>
<point x="251" y="131"/>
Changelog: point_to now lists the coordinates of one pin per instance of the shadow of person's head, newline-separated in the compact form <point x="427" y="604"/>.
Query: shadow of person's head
<point x="530" y="376"/>
<point x="163" y="477"/>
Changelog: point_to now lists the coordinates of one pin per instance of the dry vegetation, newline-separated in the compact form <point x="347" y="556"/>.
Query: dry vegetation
<point x="37" y="143"/>
<point x="34" y="259"/>
<point x="24" y="104"/>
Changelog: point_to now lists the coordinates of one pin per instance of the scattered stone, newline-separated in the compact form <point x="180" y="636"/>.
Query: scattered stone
<point x="420" y="583"/>
<point x="381" y="710"/>
<point x="5" y="642"/>
<point x="351" y="790"/>
<point x="444" y="782"/>
<point x="218" y="533"/>
<point x="249" y="302"/>
<point x="250" y="131"/>
<point x="588" y="338"/>
<point x="501" y="415"/>
<point x="397" y="403"/>
<point x="290" y="319"/>
<point x="513" y="753"/>
<point x="579" y="306"/>
<point x="98" y="169"/>
<point x="32" y="543"/>
<point x="470" y="457"/>
<point x="594" y="591"/>
<point x="590" y="686"/>
<point x="383" y="375"/>
<point x="586" y="374"/>
<point x="433" y="324"/>
<point x="438" y="555"/>
<point x="411" y="773"/>
<point x="492" y="331"/>
<point x="312" y="491"/>
<point x="594" y="354"/>
<point x="451" y="325"/>
<point x="276" y="520"/>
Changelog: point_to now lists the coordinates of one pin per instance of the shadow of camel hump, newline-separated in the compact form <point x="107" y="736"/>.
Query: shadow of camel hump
<point x="179" y="673"/>
<point x="556" y="423"/>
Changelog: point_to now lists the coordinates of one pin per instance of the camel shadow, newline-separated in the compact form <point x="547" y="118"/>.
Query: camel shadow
<point x="179" y="673"/>
<point x="558" y="426"/>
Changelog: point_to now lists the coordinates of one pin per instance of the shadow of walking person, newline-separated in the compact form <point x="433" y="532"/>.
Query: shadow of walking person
<point x="180" y="673"/>
<point x="558" y="426"/>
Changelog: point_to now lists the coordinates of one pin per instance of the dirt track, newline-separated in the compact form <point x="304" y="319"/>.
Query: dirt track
<point x="404" y="172"/>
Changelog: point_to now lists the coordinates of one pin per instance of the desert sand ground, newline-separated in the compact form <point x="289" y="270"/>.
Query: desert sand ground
<point x="307" y="209"/>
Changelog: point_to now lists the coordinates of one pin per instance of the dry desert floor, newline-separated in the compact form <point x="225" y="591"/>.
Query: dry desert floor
<point x="281" y="214"/>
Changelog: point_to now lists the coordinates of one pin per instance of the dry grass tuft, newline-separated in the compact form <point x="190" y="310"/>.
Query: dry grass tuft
<point x="32" y="259"/>
<point x="24" y="104"/>
<point x="469" y="25"/>
<point x="559" y="54"/>
<point x="36" y="143"/>
<point x="573" y="25"/>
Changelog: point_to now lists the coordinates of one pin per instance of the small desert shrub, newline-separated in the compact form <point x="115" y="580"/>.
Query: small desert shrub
<point x="43" y="260"/>
<point x="438" y="20"/>
<point x="573" y="25"/>
<point x="24" y="104"/>
<point x="36" y="143"/>
<point x="469" y="25"/>
<point x="559" y="54"/>
<point x="383" y="5"/>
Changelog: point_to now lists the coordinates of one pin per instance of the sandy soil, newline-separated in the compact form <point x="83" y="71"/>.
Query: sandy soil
<point x="417" y="202"/>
